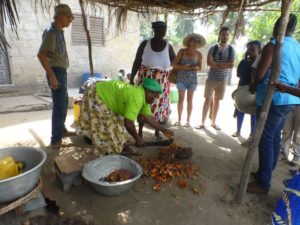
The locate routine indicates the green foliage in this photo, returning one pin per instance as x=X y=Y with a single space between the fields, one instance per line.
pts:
x=212 y=38
x=260 y=24
x=183 y=25
x=145 y=30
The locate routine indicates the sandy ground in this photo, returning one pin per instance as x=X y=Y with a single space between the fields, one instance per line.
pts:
x=219 y=156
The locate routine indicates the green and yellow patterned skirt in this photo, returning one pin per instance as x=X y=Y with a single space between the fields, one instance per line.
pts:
x=100 y=124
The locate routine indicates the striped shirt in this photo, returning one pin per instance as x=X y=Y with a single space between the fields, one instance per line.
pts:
x=222 y=55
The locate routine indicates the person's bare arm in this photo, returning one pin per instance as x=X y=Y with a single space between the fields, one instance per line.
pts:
x=172 y=54
x=130 y=127
x=264 y=63
x=225 y=65
x=137 y=61
x=176 y=62
x=42 y=56
x=212 y=63
x=153 y=123
x=286 y=89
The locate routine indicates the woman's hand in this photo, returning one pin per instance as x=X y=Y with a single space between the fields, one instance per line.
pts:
x=168 y=133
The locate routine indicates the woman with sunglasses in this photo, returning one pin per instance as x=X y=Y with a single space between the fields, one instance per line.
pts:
x=188 y=61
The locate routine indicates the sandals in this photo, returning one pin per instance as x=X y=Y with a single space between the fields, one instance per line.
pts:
x=216 y=127
x=200 y=127
x=236 y=134
x=177 y=124
x=187 y=125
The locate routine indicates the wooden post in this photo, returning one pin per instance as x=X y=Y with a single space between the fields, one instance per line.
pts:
x=88 y=37
x=276 y=67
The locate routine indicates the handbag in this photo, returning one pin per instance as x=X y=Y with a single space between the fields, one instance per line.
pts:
x=173 y=73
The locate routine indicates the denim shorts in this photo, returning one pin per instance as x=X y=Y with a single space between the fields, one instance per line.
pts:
x=183 y=86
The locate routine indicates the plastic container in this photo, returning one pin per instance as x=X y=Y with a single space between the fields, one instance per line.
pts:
x=9 y=168
x=77 y=100
x=19 y=185
x=87 y=75
x=174 y=95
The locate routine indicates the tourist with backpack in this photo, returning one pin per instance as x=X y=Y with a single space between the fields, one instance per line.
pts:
x=220 y=58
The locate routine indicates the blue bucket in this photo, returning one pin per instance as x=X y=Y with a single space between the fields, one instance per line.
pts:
x=86 y=76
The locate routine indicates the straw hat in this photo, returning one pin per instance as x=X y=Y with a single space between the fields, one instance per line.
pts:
x=199 y=39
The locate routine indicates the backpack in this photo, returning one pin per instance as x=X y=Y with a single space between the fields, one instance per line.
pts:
x=216 y=47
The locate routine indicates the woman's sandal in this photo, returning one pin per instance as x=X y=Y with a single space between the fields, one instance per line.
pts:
x=216 y=127
x=200 y=127
x=177 y=124
x=187 y=125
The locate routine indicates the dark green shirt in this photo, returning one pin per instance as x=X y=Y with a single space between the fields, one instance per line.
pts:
x=54 y=44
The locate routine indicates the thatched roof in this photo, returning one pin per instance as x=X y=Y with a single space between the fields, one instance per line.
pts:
x=182 y=6
x=8 y=13
x=8 y=8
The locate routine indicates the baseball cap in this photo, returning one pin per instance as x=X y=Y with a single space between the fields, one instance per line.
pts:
x=63 y=10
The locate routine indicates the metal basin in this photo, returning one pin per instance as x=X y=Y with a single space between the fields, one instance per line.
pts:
x=244 y=100
x=101 y=168
x=18 y=186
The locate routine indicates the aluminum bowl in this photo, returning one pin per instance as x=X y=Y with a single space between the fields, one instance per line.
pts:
x=102 y=167
x=18 y=186
x=244 y=100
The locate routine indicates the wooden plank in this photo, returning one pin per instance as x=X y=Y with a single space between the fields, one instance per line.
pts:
x=4 y=208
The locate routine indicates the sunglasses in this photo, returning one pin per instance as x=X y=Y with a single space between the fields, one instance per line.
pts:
x=196 y=39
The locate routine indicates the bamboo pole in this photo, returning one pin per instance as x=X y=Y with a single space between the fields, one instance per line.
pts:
x=88 y=37
x=276 y=67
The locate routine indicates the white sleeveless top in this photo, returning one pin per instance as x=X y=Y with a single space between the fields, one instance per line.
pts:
x=156 y=60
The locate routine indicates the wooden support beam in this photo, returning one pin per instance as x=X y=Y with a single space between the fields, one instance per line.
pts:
x=88 y=37
x=276 y=67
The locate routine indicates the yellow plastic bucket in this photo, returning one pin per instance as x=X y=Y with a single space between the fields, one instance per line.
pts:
x=9 y=168
x=76 y=111
x=76 y=107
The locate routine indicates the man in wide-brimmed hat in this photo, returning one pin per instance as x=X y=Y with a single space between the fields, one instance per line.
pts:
x=220 y=58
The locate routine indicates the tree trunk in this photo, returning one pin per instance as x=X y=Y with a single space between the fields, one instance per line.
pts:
x=88 y=37
x=276 y=67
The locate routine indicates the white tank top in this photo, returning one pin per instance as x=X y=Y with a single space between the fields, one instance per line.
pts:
x=156 y=60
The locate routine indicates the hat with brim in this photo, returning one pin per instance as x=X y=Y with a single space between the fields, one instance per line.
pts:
x=63 y=10
x=151 y=85
x=199 y=39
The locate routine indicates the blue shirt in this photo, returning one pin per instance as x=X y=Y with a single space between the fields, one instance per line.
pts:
x=289 y=74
